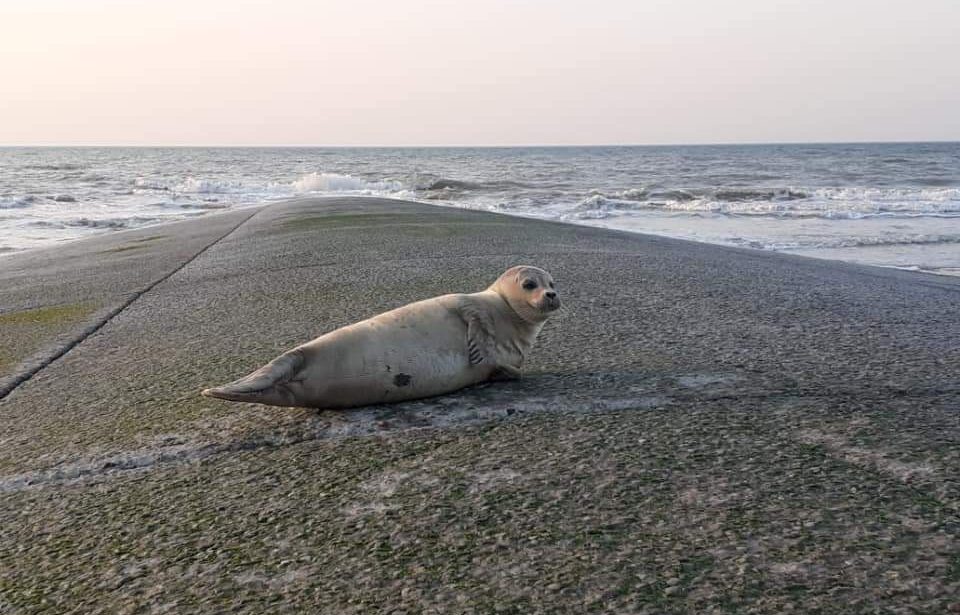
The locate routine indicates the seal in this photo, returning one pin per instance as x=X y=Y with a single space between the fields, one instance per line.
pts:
x=423 y=349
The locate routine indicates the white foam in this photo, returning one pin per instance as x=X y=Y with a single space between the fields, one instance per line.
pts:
x=316 y=182
x=150 y=184
x=856 y=242
x=828 y=203
x=334 y=182
x=112 y=223
x=193 y=185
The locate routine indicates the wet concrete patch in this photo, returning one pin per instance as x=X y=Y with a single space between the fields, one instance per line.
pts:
x=25 y=335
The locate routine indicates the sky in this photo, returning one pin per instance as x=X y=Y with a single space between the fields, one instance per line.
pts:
x=492 y=72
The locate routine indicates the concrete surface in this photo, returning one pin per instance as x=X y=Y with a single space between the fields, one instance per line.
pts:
x=702 y=429
x=51 y=299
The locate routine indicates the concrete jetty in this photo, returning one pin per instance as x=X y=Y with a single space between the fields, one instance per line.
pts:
x=701 y=430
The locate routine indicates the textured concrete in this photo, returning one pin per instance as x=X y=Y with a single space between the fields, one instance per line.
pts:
x=49 y=299
x=701 y=430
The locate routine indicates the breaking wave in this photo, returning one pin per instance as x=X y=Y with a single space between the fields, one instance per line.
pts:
x=309 y=183
x=830 y=203
x=334 y=182
x=432 y=183
x=449 y=184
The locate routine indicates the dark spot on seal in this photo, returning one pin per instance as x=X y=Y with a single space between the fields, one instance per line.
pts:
x=402 y=380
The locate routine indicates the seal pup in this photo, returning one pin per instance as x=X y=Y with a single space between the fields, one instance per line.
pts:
x=422 y=349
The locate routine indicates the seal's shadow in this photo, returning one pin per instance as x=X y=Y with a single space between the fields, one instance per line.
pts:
x=573 y=392
x=564 y=392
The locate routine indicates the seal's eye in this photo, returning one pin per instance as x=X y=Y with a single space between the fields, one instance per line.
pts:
x=529 y=285
x=551 y=284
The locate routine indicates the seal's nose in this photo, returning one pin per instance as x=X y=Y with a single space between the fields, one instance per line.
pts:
x=551 y=294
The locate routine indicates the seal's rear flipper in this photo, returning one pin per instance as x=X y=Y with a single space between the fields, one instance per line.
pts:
x=264 y=386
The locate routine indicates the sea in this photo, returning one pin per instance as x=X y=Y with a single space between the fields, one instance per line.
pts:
x=886 y=204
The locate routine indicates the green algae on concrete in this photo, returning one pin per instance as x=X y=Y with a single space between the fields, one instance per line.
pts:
x=27 y=331
x=46 y=315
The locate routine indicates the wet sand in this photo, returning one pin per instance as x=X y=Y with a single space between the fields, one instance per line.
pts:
x=703 y=429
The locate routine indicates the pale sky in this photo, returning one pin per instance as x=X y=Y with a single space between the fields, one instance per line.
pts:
x=491 y=72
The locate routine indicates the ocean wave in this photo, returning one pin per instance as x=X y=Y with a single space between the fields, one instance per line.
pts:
x=500 y=184
x=335 y=182
x=597 y=203
x=61 y=166
x=830 y=203
x=150 y=184
x=192 y=185
x=111 y=223
x=449 y=184
x=853 y=242
x=16 y=202
x=752 y=195
x=934 y=181
x=426 y=182
x=644 y=194
x=938 y=194
x=205 y=204
x=425 y=186
x=732 y=195
x=315 y=182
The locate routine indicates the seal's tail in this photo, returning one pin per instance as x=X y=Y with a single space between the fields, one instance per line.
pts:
x=264 y=386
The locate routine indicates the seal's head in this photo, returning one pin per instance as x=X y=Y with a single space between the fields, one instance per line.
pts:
x=530 y=291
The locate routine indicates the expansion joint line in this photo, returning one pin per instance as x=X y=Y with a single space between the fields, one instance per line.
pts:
x=56 y=353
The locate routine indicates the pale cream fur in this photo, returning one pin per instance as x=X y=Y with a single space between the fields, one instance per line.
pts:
x=422 y=349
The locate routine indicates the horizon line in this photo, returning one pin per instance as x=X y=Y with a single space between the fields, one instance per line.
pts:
x=463 y=146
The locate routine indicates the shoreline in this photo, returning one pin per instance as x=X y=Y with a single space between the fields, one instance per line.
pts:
x=701 y=425
x=590 y=223
x=863 y=203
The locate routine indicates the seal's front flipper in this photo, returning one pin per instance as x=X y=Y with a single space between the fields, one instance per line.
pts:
x=481 y=346
x=474 y=346
x=266 y=385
